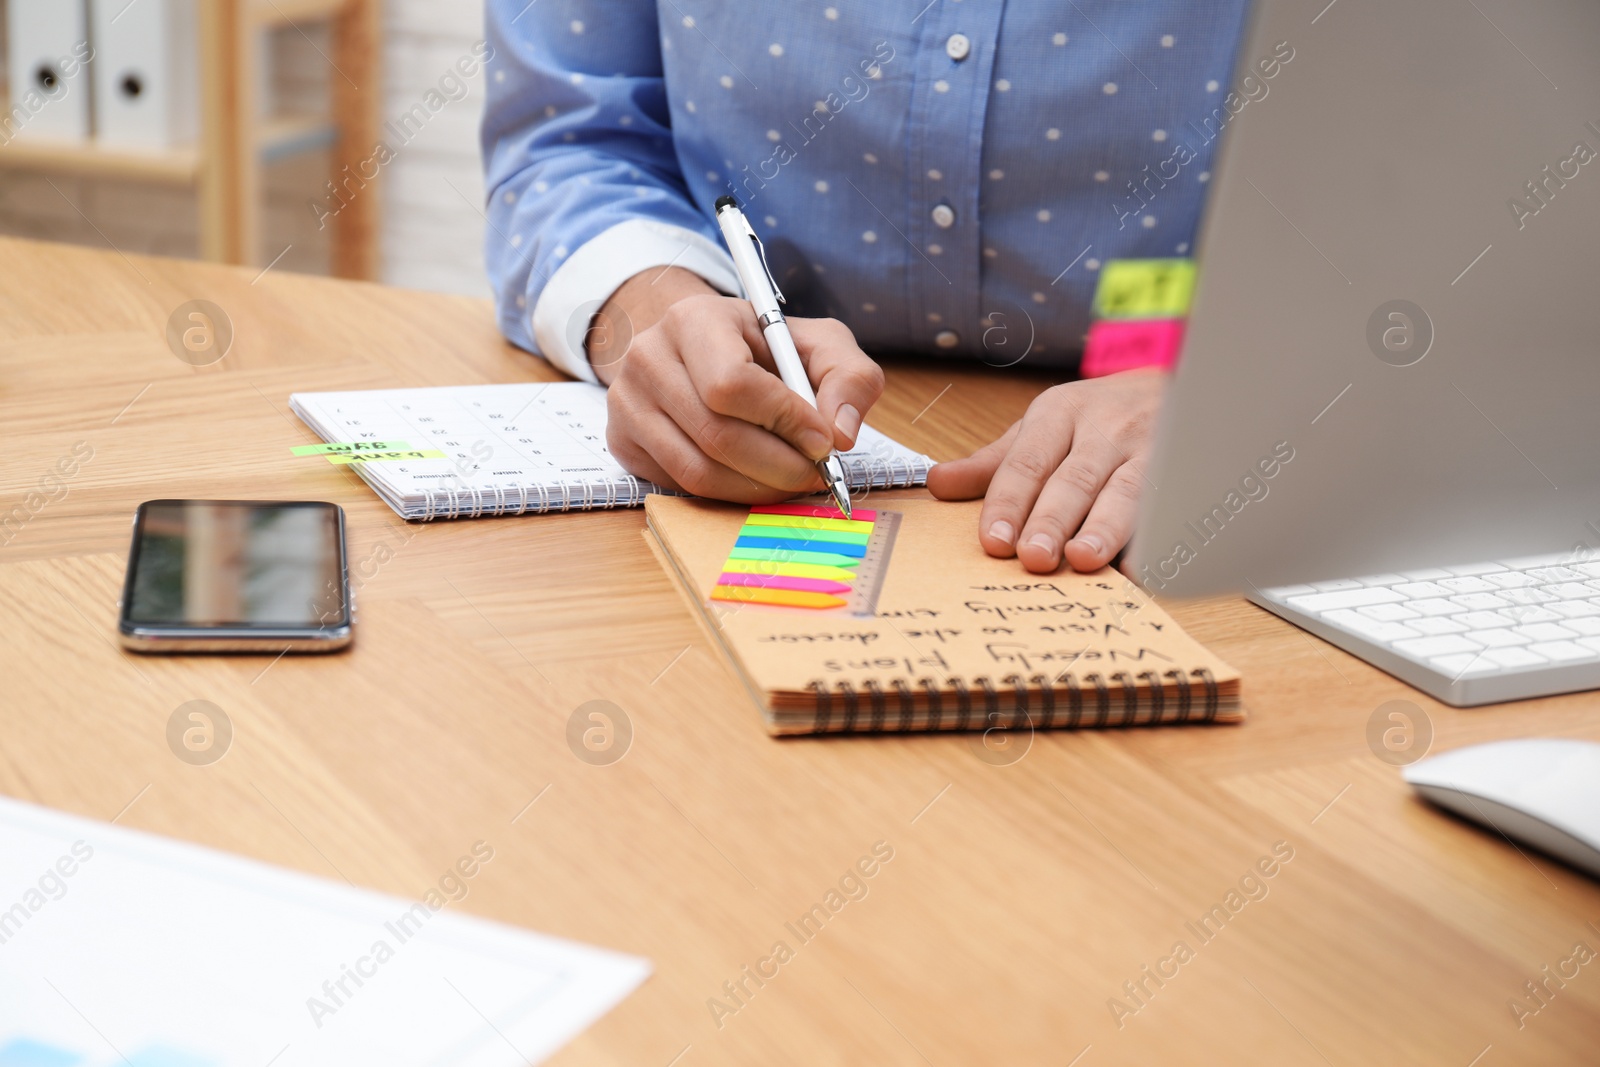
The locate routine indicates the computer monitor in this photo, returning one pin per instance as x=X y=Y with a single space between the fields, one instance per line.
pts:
x=1392 y=358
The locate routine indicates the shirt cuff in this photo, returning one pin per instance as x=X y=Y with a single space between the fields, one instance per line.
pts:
x=582 y=284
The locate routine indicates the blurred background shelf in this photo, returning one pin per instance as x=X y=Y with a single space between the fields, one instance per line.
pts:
x=277 y=138
x=236 y=142
x=179 y=165
x=419 y=224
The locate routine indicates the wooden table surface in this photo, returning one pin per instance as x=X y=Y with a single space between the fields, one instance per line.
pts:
x=1019 y=898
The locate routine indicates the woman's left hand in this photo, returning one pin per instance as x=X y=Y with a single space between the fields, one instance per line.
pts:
x=1065 y=478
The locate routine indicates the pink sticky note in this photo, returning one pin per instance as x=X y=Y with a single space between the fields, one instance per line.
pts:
x=1123 y=344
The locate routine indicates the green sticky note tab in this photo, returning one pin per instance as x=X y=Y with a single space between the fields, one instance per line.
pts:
x=1144 y=289
x=350 y=447
x=386 y=457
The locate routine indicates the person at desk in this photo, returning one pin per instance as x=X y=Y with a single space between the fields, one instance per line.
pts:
x=938 y=178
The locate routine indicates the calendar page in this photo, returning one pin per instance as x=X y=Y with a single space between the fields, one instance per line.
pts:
x=466 y=451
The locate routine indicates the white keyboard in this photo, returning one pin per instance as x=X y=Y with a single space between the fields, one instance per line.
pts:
x=1468 y=635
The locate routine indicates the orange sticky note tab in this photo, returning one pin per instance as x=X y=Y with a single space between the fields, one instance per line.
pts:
x=1124 y=344
x=788 y=598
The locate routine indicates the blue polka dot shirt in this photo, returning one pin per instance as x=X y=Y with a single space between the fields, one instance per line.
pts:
x=945 y=177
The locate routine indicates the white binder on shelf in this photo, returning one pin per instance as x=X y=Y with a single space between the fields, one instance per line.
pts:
x=147 y=77
x=49 y=52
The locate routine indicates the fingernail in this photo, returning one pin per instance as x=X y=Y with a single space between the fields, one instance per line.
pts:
x=1044 y=543
x=1090 y=542
x=1002 y=531
x=848 y=421
x=815 y=444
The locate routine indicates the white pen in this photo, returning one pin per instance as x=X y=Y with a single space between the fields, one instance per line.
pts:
x=750 y=260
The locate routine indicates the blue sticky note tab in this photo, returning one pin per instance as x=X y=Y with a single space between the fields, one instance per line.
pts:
x=163 y=1056
x=24 y=1053
x=836 y=547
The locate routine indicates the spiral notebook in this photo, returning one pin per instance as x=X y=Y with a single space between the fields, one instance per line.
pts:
x=461 y=452
x=896 y=619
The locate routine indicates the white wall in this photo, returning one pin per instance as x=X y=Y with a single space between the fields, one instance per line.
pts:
x=433 y=189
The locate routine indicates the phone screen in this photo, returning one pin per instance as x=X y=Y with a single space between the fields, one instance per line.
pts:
x=236 y=564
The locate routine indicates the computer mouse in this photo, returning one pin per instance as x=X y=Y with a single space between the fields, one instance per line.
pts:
x=1542 y=792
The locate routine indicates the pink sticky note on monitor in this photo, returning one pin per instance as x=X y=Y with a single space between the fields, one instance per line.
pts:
x=1124 y=344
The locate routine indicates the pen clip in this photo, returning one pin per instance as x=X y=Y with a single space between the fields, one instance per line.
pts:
x=761 y=250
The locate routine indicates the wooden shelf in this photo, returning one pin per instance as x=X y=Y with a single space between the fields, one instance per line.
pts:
x=275 y=13
x=277 y=139
x=180 y=166
x=293 y=135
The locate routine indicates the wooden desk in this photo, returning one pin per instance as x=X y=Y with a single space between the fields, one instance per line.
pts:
x=1019 y=898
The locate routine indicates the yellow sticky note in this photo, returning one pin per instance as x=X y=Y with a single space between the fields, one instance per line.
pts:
x=388 y=457
x=1144 y=289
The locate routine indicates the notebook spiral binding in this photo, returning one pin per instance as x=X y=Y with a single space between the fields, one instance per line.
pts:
x=1064 y=702
x=874 y=472
x=518 y=499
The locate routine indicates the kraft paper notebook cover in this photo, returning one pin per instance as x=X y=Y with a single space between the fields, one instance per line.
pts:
x=916 y=628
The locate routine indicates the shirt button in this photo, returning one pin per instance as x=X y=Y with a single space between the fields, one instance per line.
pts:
x=944 y=216
x=958 y=47
x=947 y=338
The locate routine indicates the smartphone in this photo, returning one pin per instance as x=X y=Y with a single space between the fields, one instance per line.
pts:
x=236 y=576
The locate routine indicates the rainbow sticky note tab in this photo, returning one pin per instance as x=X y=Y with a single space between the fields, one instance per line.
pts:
x=796 y=556
x=1144 y=289
x=1124 y=344
x=350 y=447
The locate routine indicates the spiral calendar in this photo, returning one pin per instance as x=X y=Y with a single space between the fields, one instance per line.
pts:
x=513 y=449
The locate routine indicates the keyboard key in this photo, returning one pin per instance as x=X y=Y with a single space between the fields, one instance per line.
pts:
x=1434 y=625
x=1427 y=574
x=1570 y=591
x=1429 y=647
x=1467 y=585
x=1574 y=609
x=1591 y=570
x=1388 y=612
x=1372 y=629
x=1482 y=601
x=1486 y=620
x=1591 y=643
x=1525 y=613
x=1333 y=585
x=1526 y=596
x=1514 y=657
x=1561 y=651
x=1498 y=638
x=1436 y=606
x=1554 y=574
x=1420 y=590
x=1523 y=563
x=1545 y=631
x=1465 y=663
x=1397 y=579
x=1316 y=603
x=1511 y=580
x=1468 y=569
x=1586 y=626
x=1284 y=592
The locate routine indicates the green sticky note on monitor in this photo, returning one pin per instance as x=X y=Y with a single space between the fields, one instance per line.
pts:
x=1144 y=289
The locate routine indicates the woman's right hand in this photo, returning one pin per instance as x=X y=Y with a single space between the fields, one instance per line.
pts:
x=696 y=403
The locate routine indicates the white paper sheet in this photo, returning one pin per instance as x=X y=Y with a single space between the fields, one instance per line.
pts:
x=122 y=948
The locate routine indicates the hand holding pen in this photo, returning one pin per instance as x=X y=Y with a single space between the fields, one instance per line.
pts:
x=761 y=289
x=696 y=401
